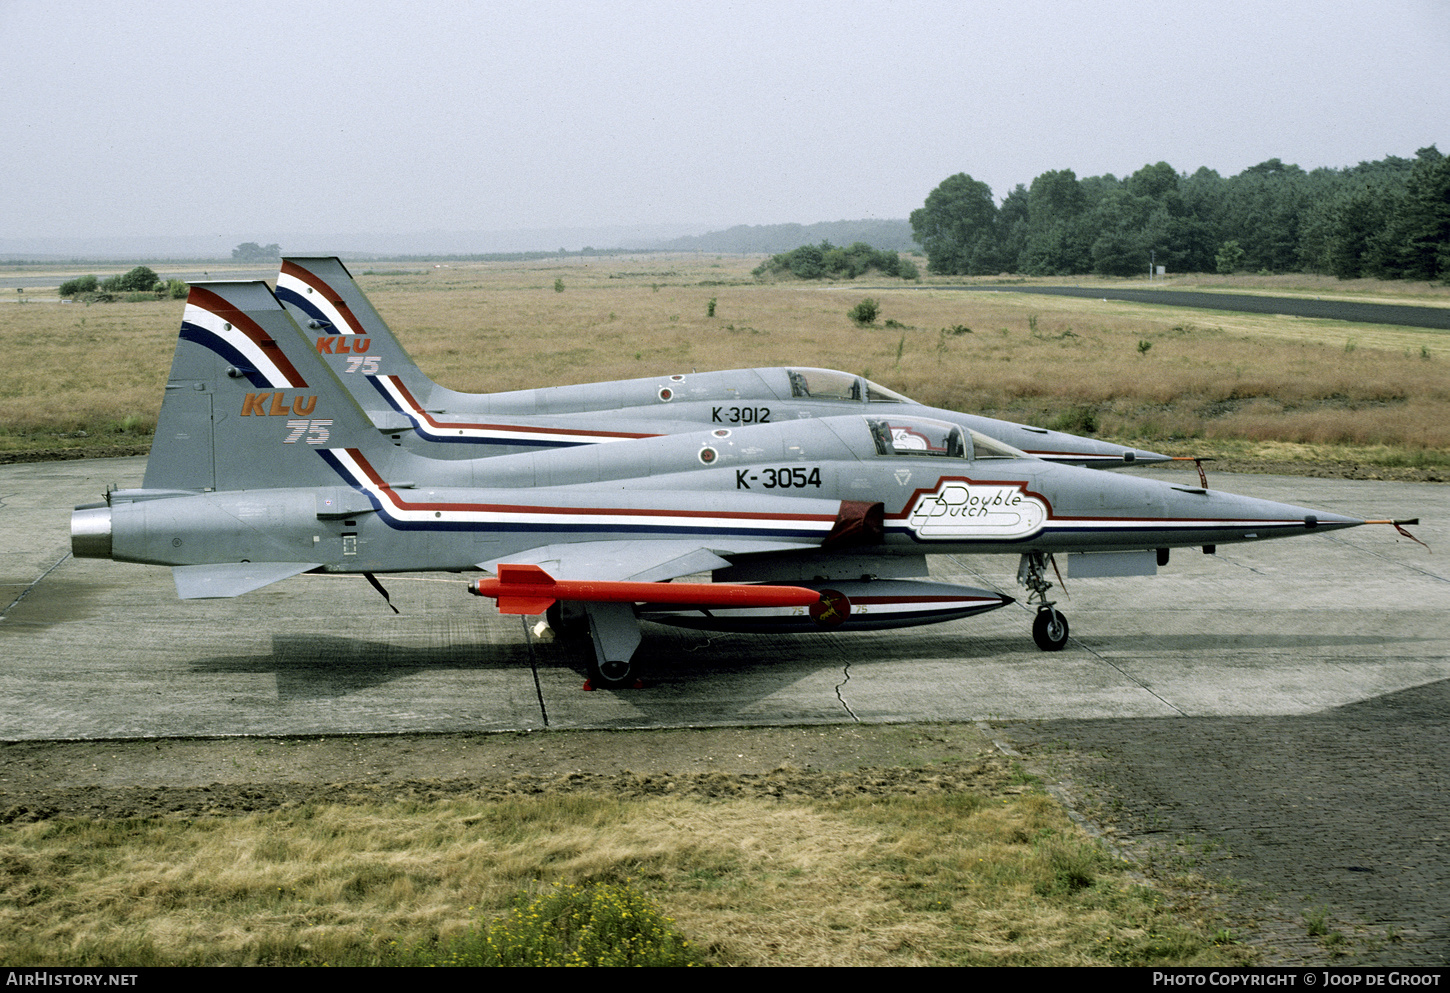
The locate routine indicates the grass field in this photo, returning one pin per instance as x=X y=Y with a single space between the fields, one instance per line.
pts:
x=1179 y=381
x=957 y=861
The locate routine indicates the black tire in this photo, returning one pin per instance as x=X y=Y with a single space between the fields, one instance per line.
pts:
x=1049 y=630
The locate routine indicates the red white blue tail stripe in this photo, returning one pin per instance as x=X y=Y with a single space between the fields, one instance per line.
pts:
x=308 y=292
x=213 y=323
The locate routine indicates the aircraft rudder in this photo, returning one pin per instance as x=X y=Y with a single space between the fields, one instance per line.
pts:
x=182 y=455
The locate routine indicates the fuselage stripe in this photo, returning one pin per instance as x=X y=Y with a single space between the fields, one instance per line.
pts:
x=396 y=393
x=354 y=468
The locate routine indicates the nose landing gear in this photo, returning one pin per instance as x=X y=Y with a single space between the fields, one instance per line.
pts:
x=1049 y=627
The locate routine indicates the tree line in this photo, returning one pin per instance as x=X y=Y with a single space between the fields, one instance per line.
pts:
x=1388 y=219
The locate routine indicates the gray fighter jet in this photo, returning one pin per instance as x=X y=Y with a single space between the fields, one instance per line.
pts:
x=351 y=336
x=262 y=469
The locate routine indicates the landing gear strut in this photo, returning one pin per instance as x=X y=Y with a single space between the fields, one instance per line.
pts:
x=1049 y=628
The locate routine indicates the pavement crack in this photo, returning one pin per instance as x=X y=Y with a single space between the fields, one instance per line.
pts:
x=1130 y=678
x=26 y=592
x=845 y=678
x=1122 y=672
x=1230 y=560
x=534 y=665
x=1105 y=661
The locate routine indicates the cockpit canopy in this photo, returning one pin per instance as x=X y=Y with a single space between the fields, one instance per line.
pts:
x=828 y=384
x=927 y=438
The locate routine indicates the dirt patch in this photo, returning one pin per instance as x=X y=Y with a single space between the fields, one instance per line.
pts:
x=69 y=454
x=199 y=777
x=1337 y=470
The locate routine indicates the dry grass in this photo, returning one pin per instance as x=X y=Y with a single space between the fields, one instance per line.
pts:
x=1054 y=361
x=99 y=369
x=936 y=878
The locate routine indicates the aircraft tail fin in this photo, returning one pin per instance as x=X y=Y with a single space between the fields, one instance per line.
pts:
x=349 y=334
x=242 y=411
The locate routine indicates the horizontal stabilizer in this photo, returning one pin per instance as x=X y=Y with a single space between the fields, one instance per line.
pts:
x=527 y=589
x=229 y=579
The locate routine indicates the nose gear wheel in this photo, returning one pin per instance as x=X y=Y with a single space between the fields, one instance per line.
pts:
x=1049 y=630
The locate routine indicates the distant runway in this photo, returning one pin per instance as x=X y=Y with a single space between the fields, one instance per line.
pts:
x=187 y=275
x=1244 y=303
x=96 y=649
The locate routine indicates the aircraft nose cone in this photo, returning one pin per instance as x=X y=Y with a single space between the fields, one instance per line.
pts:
x=1141 y=456
x=1323 y=518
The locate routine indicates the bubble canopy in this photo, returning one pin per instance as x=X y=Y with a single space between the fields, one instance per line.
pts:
x=829 y=384
x=927 y=438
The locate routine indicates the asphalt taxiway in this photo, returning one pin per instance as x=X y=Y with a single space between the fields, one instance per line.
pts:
x=1357 y=311
x=96 y=649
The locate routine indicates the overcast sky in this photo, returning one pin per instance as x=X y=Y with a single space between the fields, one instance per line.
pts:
x=154 y=118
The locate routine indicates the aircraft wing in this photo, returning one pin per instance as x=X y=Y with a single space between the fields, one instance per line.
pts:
x=639 y=561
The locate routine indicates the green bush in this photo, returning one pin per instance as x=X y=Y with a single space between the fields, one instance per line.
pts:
x=1076 y=420
x=81 y=284
x=600 y=925
x=865 y=312
x=1230 y=258
x=826 y=260
x=138 y=280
